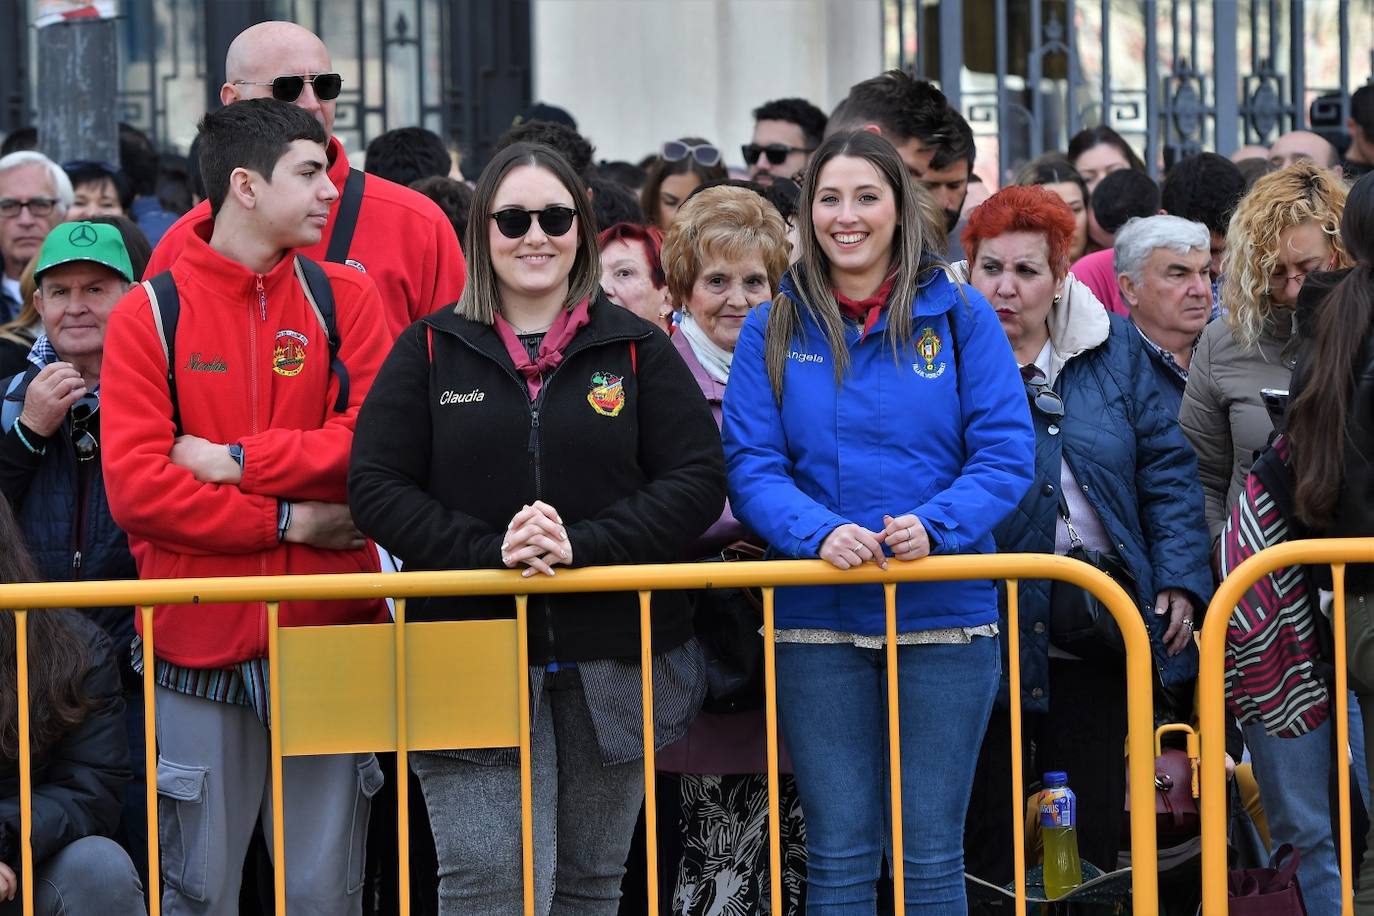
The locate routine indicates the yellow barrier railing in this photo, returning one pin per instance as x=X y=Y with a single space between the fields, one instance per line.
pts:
x=329 y=690
x=1336 y=552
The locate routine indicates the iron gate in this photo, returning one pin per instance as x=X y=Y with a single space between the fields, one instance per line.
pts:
x=1174 y=76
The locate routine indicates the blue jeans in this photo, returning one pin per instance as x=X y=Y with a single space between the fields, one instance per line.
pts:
x=91 y=876
x=832 y=706
x=1292 y=775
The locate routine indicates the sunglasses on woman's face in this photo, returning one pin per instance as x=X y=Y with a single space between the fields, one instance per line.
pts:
x=777 y=153
x=289 y=88
x=704 y=153
x=514 y=222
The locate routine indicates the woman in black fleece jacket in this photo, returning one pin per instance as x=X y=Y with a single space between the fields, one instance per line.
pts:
x=535 y=424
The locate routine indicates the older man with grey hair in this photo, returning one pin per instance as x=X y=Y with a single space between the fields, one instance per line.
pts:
x=34 y=196
x=1161 y=265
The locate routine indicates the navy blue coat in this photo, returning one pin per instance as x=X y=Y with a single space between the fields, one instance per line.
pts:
x=1139 y=474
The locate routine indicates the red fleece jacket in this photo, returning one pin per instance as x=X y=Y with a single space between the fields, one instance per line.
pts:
x=402 y=241
x=252 y=366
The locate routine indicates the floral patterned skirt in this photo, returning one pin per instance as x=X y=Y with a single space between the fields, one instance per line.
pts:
x=724 y=866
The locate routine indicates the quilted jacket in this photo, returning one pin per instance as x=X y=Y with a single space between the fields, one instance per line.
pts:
x=1134 y=467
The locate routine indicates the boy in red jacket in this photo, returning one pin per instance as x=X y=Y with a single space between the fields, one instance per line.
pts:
x=239 y=468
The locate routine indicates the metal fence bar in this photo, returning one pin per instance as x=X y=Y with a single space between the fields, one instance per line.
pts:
x=894 y=746
x=21 y=649
x=951 y=51
x=770 y=718
x=154 y=888
x=274 y=589
x=646 y=680
x=1154 y=123
x=1018 y=782
x=522 y=616
x=1212 y=690
x=1225 y=80
x=402 y=763
x=1342 y=715
x=274 y=738
x=1297 y=62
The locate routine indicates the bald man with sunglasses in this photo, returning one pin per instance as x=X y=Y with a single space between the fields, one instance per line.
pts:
x=399 y=238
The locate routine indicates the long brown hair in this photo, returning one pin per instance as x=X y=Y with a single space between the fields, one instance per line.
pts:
x=811 y=273
x=58 y=658
x=1318 y=416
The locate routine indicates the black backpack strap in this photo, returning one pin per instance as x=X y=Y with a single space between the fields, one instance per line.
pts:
x=162 y=296
x=318 y=290
x=346 y=218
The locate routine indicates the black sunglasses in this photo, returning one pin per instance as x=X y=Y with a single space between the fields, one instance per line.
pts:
x=1045 y=399
x=704 y=153
x=776 y=152
x=514 y=222
x=289 y=88
x=83 y=440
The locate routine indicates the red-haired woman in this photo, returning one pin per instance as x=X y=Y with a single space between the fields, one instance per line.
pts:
x=1113 y=471
x=632 y=272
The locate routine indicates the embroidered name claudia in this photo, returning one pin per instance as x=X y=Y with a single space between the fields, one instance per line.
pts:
x=197 y=364
x=806 y=357
x=455 y=397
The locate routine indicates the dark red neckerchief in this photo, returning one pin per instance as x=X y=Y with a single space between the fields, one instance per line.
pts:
x=556 y=339
x=867 y=310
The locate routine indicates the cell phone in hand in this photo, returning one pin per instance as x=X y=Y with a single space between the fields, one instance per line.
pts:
x=1276 y=403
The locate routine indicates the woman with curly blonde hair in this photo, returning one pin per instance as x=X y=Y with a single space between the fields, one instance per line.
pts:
x=1287 y=227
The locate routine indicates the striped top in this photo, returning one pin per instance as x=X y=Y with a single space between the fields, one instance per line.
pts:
x=245 y=684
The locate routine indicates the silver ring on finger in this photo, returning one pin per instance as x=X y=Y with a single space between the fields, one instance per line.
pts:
x=1187 y=622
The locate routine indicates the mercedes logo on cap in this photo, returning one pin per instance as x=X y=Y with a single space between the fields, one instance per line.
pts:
x=82 y=235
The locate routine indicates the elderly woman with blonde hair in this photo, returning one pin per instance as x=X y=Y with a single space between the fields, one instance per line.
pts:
x=724 y=254
x=1286 y=227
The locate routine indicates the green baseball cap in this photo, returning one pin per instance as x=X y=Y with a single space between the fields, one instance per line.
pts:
x=99 y=243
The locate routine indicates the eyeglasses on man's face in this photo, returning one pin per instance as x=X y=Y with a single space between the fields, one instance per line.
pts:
x=777 y=153
x=37 y=206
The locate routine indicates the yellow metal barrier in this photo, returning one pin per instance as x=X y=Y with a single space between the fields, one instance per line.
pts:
x=1337 y=552
x=393 y=688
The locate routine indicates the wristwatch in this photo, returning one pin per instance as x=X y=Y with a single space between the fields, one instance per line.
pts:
x=236 y=452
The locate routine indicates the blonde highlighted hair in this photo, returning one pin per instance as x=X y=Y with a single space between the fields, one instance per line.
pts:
x=1278 y=201
x=725 y=223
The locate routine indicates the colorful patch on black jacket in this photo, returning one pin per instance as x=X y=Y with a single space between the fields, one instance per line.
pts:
x=607 y=396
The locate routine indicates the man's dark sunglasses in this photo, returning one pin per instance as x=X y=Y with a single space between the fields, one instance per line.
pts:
x=776 y=152
x=1045 y=399
x=83 y=440
x=514 y=222
x=289 y=88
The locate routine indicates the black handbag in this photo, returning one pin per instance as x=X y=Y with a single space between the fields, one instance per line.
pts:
x=1079 y=623
x=727 y=622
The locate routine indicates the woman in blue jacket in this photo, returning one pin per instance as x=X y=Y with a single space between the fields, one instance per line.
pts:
x=1113 y=469
x=874 y=411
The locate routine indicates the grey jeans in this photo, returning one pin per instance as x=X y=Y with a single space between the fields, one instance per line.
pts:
x=90 y=877
x=584 y=817
x=214 y=786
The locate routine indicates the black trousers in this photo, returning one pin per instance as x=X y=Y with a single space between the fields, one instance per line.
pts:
x=1083 y=734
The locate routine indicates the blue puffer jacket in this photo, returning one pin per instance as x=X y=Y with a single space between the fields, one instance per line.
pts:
x=943 y=432
x=1136 y=470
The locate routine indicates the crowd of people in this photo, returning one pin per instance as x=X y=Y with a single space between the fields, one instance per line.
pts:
x=853 y=348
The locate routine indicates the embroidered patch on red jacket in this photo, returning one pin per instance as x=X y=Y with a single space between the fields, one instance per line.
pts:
x=288 y=355
x=607 y=396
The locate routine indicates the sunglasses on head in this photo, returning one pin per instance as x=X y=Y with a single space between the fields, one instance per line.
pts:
x=776 y=152
x=83 y=440
x=704 y=153
x=1045 y=399
x=514 y=222
x=289 y=88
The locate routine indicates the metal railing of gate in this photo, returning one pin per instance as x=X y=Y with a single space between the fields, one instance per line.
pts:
x=1336 y=552
x=385 y=687
x=1213 y=75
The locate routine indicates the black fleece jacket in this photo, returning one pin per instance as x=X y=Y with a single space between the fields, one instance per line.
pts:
x=620 y=441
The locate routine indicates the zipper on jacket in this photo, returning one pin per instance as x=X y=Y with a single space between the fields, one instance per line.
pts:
x=83 y=491
x=254 y=428
x=262 y=299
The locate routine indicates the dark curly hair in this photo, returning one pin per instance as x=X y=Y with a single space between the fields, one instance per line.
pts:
x=1205 y=189
x=573 y=147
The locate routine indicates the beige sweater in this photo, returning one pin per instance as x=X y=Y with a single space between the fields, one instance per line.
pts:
x=1222 y=413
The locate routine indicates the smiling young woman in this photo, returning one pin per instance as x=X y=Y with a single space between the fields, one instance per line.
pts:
x=871 y=357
